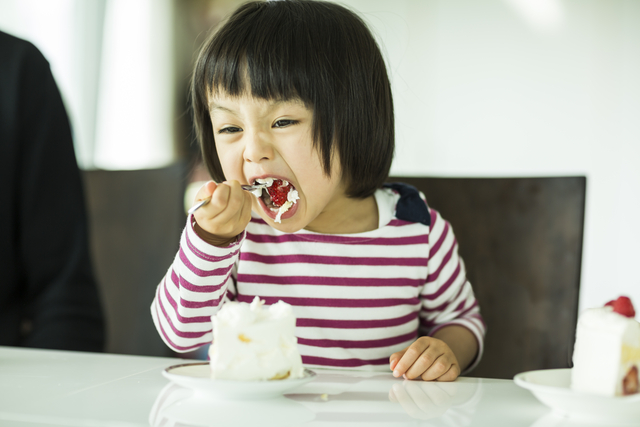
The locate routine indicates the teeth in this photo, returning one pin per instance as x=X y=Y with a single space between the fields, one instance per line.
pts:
x=268 y=181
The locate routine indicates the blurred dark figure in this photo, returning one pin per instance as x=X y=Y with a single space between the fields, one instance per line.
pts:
x=48 y=294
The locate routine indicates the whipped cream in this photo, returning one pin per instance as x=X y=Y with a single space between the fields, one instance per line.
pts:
x=292 y=197
x=251 y=342
x=607 y=347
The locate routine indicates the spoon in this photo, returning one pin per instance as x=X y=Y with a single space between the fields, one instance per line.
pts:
x=203 y=202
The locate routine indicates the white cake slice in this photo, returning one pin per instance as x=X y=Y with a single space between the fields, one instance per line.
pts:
x=252 y=342
x=606 y=356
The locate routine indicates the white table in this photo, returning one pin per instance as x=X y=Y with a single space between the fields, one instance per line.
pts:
x=59 y=388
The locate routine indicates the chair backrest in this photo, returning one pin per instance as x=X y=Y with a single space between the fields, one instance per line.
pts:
x=521 y=241
x=136 y=218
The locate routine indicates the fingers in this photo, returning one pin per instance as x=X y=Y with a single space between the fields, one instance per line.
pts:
x=444 y=368
x=234 y=203
x=219 y=200
x=410 y=355
x=451 y=374
x=427 y=358
x=205 y=191
x=395 y=358
x=429 y=365
x=227 y=213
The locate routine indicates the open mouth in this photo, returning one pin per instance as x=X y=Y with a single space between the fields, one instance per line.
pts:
x=278 y=196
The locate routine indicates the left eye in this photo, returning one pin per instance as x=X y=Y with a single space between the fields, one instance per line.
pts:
x=284 y=123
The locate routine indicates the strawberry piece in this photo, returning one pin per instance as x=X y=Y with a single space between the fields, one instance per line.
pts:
x=622 y=306
x=278 y=192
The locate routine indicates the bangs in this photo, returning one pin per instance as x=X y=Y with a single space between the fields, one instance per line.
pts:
x=261 y=59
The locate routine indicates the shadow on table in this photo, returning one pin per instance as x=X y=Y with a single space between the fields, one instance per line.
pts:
x=455 y=401
x=179 y=406
x=331 y=398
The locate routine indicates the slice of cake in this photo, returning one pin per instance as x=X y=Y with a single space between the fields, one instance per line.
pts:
x=252 y=342
x=606 y=356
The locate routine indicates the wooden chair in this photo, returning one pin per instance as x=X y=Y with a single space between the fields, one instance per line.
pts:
x=521 y=241
x=136 y=218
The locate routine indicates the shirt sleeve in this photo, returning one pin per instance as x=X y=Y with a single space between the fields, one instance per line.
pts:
x=200 y=279
x=447 y=298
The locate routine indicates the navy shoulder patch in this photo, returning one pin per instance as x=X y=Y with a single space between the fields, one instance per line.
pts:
x=410 y=206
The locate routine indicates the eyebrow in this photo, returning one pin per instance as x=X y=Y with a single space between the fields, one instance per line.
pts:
x=215 y=107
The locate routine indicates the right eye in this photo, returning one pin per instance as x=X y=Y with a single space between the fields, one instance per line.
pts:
x=229 y=129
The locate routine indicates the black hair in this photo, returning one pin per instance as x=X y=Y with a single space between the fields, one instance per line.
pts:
x=315 y=51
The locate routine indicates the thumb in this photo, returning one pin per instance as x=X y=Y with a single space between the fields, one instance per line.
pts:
x=206 y=190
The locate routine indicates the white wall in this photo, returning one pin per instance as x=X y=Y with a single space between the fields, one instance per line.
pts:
x=63 y=31
x=483 y=88
x=112 y=62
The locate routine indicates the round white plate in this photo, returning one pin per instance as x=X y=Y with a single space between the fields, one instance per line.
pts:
x=197 y=376
x=552 y=387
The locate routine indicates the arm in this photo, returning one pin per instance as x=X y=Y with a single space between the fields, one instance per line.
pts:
x=200 y=278
x=194 y=288
x=450 y=316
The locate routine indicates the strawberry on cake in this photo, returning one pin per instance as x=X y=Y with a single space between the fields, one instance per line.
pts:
x=280 y=197
x=606 y=357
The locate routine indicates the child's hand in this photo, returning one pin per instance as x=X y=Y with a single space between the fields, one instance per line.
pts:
x=428 y=358
x=226 y=215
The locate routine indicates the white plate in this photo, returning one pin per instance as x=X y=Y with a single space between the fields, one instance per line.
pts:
x=551 y=387
x=197 y=376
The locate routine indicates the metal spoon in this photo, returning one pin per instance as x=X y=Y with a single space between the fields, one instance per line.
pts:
x=203 y=202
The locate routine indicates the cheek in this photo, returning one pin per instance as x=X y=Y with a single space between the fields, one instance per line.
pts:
x=308 y=165
x=230 y=160
x=318 y=188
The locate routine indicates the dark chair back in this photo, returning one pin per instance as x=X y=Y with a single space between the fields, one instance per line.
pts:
x=136 y=218
x=521 y=241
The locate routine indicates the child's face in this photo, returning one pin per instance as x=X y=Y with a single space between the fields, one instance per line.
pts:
x=256 y=138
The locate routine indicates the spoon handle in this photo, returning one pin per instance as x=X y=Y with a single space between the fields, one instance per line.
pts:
x=198 y=205
x=203 y=202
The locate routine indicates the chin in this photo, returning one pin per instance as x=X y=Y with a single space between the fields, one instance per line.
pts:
x=289 y=225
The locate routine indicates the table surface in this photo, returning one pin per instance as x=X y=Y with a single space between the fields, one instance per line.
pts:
x=61 y=388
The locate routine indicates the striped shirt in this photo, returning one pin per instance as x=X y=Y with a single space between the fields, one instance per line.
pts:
x=358 y=298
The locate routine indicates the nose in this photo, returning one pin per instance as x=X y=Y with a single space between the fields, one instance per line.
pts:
x=258 y=147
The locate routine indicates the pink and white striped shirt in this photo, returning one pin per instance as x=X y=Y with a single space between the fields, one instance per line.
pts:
x=358 y=298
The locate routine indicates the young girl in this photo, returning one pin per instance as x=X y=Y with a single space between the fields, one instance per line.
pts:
x=295 y=93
